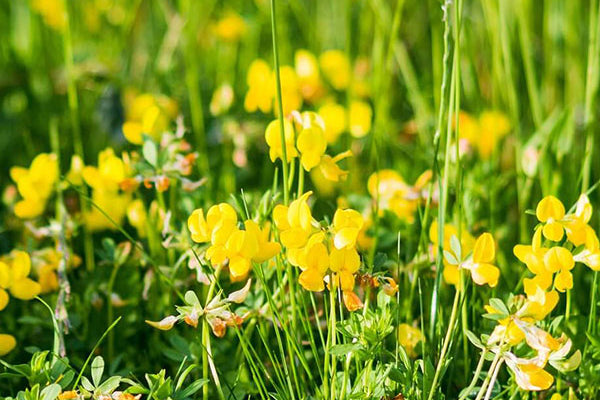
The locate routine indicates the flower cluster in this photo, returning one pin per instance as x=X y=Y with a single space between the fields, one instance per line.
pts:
x=552 y=260
x=35 y=185
x=319 y=253
x=230 y=244
x=304 y=83
x=305 y=138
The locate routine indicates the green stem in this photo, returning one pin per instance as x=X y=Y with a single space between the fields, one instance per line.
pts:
x=206 y=334
x=486 y=381
x=445 y=345
x=469 y=388
x=284 y=160
x=329 y=370
x=109 y=311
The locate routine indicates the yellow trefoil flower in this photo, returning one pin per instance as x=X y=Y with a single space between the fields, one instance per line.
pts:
x=273 y=138
x=147 y=114
x=360 y=116
x=14 y=278
x=294 y=222
x=335 y=119
x=346 y=227
x=409 y=337
x=311 y=141
x=35 y=184
x=336 y=67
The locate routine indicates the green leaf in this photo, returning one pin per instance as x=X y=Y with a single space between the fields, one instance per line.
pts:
x=450 y=258
x=571 y=364
x=495 y=317
x=499 y=305
x=343 y=349
x=150 y=152
x=474 y=339
x=87 y=385
x=50 y=392
x=191 y=298
x=97 y=370
x=455 y=246
x=193 y=388
x=109 y=385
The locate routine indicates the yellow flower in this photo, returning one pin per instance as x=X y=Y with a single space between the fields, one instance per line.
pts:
x=14 y=277
x=351 y=301
x=336 y=68
x=307 y=70
x=110 y=172
x=559 y=259
x=390 y=192
x=35 y=185
x=294 y=222
x=539 y=303
x=220 y=221
x=344 y=263
x=529 y=376
x=230 y=28
x=7 y=343
x=346 y=226
x=112 y=204
x=550 y=211
x=273 y=138
x=329 y=168
x=409 y=337
x=240 y=248
x=484 y=252
x=533 y=259
x=147 y=114
x=451 y=272
x=311 y=140
x=260 y=91
x=266 y=248
x=53 y=12
x=360 y=116
x=313 y=259
x=335 y=118
x=290 y=90
x=483 y=133
x=494 y=126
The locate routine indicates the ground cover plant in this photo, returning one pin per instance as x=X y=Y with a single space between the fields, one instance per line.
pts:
x=284 y=199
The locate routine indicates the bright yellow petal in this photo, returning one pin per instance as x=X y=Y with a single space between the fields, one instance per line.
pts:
x=485 y=249
x=553 y=231
x=451 y=274
x=558 y=258
x=312 y=280
x=25 y=289
x=550 y=207
x=21 y=265
x=7 y=344
x=563 y=281
x=483 y=273
x=4 y=298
